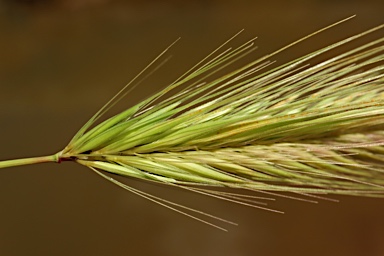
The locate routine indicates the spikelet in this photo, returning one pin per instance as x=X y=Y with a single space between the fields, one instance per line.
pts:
x=294 y=128
x=311 y=129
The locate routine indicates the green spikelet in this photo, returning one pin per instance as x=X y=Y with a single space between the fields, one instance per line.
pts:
x=293 y=128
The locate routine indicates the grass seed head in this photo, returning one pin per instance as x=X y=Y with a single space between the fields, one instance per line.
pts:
x=307 y=129
x=296 y=128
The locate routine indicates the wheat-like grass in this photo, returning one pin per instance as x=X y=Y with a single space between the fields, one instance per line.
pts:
x=294 y=128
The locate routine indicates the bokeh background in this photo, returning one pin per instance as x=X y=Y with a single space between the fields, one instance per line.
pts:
x=62 y=60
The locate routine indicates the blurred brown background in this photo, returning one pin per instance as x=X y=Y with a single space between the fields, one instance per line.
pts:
x=62 y=60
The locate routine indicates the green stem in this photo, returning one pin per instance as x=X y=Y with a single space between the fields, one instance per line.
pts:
x=31 y=160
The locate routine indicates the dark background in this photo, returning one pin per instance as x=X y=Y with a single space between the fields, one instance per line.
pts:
x=62 y=60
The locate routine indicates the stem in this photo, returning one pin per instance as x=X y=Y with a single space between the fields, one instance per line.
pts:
x=31 y=160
